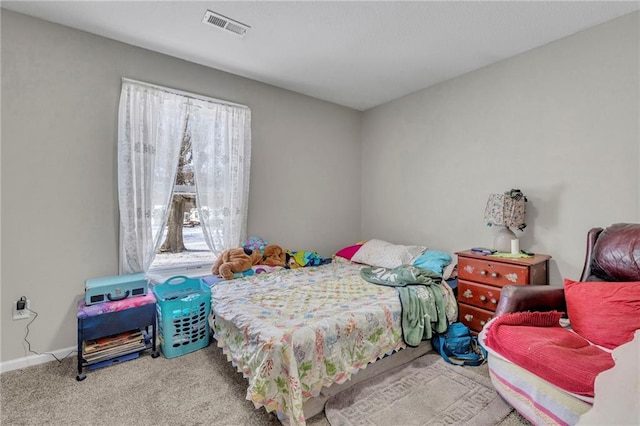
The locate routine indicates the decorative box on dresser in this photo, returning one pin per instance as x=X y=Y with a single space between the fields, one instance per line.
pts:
x=481 y=277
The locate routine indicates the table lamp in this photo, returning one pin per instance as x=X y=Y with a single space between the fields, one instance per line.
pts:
x=506 y=211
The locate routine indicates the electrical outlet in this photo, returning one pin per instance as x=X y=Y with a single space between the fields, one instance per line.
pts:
x=23 y=313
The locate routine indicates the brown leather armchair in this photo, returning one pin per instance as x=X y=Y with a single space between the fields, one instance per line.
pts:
x=613 y=254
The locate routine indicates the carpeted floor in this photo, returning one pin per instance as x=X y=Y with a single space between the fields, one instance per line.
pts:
x=197 y=388
x=426 y=391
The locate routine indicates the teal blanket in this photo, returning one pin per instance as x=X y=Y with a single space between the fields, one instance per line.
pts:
x=421 y=297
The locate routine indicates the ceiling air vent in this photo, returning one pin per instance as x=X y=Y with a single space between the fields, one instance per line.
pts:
x=221 y=21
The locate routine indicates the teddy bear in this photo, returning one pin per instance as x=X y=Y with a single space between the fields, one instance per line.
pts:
x=235 y=260
x=274 y=255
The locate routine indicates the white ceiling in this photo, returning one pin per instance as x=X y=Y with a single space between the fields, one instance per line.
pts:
x=358 y=54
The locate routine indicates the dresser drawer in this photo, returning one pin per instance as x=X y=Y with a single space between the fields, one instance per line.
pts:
x=480 y=295
x=472 y=317
x=492 y=273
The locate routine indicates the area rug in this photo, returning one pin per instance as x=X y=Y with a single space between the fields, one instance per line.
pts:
x=426 y=391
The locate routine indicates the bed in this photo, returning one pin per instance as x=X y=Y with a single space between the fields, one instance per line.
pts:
x=294 y=332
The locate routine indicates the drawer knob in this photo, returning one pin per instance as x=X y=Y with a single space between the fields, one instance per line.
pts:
x=467 y=294
x=483 y=322
x=494 y=274
x=483 y=272
x=468 y=317
x=483 y=298
x=494 y=301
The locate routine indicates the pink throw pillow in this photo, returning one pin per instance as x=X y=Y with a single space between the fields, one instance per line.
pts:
x=348 y=252
x=605 y=313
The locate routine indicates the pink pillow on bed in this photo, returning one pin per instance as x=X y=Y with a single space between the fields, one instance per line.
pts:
x=348 y=252
x=605 y=313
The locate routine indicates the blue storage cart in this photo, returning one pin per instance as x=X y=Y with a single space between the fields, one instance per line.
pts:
x=183 y=306
x=105 y=319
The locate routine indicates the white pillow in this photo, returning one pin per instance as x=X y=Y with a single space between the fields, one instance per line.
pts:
x=386 y=255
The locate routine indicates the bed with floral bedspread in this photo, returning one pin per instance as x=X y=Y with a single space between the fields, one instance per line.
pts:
x=294 y=331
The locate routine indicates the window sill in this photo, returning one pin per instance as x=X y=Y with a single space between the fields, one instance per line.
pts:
x=160 y=276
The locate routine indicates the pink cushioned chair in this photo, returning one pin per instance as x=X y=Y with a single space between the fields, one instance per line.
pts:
x=544 y=369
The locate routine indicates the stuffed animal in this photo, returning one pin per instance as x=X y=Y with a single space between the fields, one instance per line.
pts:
x=255 y=243
x=235 y=260
x=256 y=257
x=291 y=261
x=274 y=255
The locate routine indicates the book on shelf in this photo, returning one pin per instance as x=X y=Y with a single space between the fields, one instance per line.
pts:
x=114 y=352
x=116 y=340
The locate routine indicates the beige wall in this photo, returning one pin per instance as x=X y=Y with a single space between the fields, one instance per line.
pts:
x=60 y=92
x=559 y=122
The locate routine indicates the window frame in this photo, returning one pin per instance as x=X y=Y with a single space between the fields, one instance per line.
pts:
x=203 y=268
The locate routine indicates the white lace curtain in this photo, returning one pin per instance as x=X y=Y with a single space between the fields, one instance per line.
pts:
x=150 y=127
x=221 y=148
x=151 y=124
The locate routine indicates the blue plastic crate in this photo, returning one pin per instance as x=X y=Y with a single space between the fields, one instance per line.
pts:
x=183 y=315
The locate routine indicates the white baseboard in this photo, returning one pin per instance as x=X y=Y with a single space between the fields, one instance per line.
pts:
x=31 y=360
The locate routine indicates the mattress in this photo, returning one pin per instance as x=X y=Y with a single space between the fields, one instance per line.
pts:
x=293 y=332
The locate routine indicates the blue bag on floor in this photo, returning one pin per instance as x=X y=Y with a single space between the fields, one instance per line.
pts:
x=457 y=346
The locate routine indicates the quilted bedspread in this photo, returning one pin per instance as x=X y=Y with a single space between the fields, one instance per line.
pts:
x=294 y=331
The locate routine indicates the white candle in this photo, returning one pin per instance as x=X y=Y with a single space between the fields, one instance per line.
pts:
x=515 y=246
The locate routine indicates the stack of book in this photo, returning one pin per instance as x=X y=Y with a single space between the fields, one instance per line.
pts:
x=104 y=348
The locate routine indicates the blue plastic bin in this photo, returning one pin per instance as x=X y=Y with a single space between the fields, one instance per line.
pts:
x=183 y=310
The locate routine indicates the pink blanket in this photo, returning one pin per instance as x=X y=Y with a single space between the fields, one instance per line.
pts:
x=536 y=342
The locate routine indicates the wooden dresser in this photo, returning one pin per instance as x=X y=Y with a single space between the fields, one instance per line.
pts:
x=481 y=277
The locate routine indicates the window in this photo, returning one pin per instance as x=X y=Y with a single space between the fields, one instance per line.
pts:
x=183 y=245
x=183 y=178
